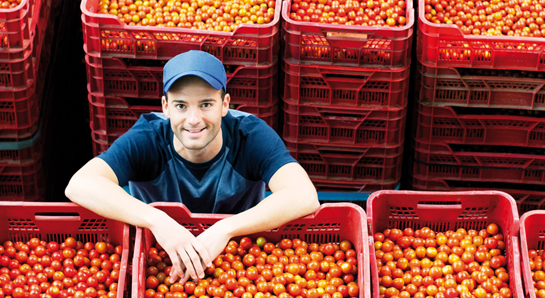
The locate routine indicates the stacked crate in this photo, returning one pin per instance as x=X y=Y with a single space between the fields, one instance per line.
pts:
x=125 y=68
x=345 y=101
x=480 y=113
x=24 y=54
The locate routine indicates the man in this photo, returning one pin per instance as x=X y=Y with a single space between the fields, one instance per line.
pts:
x=201 y=154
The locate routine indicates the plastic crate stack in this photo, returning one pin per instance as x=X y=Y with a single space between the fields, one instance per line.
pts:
x=125 y=68
x=480 y=114
x=24 y=54
x=345 y=101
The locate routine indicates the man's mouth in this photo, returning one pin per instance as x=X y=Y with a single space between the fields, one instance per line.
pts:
x=194 y=131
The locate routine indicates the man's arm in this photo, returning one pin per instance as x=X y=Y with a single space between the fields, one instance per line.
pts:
x=293 y=196
x=95 y=187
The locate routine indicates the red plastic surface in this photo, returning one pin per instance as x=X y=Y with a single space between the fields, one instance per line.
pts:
x=526 y=198
x=106 y=36
x=343 y=125
x=22 y=155
x=57 y=221
x=450 y=86
x=132 y=78
x=446 y=46
x=357 y=87
x=22 y=182
x=374 y=165
x=442 y=211
x=115 y=119
x=344 y=45
x=18 y=24
x=532 y=231
x=445 y=125
x=330 y=223
x=444 y=154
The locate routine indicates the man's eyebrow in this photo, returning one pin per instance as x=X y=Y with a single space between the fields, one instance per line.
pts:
x=200 y=101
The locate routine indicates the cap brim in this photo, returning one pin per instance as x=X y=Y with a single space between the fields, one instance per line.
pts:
x=208 y=78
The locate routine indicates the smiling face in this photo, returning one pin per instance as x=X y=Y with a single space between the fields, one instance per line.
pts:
x=195 y=110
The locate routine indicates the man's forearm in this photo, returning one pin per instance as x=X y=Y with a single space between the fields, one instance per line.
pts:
x=277 y=209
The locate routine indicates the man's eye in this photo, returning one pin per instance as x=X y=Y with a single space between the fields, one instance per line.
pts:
x=206 y=105
x=180 y=106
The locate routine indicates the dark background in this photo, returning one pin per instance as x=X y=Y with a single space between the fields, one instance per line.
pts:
x=67 y=138
x=67 y=143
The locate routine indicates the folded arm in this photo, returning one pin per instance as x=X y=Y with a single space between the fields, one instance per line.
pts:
x=293 y=196
x=95 y=187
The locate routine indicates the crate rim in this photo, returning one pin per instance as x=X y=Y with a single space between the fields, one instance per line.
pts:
x=473 y=77
x=350 y=28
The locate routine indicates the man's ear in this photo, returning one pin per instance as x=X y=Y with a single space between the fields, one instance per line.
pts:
x=225 y=104
x=164 y=104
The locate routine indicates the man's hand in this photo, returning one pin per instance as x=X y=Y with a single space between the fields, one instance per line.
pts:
x=215 y=238
x=188 y=255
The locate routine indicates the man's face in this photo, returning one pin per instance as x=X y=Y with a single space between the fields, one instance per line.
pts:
x=195 y=110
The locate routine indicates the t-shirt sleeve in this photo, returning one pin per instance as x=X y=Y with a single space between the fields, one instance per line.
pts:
x=133 y=155
x=267 y=151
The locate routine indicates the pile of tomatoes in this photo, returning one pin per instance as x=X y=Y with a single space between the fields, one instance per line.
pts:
x=218 y=15
x=291 y=268
x=52 y=270
x=389 y=13
x=495 y=17
x=452 y=264
x=538 y=271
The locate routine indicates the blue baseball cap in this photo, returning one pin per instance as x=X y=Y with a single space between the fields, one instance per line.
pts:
x=195 y=63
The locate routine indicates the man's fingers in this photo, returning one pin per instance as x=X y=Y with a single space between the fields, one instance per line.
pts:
x=190 y=268
x=196 y=261
x=176 y=270
x=184 y=278
x=203 y=252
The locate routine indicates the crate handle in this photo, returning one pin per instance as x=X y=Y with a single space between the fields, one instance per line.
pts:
x=449 y=205
x=57 y=216
x=346 y=36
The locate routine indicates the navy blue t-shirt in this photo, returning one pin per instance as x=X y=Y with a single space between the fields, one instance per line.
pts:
x=233 y=181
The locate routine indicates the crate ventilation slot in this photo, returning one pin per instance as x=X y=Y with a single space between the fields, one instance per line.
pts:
x=541 y=241
x=93 y=225
x=403 y=213
x=21 y=225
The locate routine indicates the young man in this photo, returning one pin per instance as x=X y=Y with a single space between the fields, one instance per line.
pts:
x=201 y=154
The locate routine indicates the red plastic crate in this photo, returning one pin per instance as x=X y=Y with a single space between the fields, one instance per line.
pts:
x=526 y=199
x=21 y=152
x=22 y=182
x=471 y=156
x=16 y=27
x=442 y=211
x=344 y=45
x=324 y=185
x=457 y=87
x=446 y=125
x=446 y=46
x=106 y=36
x=357 y=87
x=131 y=78
x=531 y=237
x=374 y=165
x=343 y=125
x=111 y=120
x=21 y=221
x=19 y=118
x=116 y=118
x=330 y=223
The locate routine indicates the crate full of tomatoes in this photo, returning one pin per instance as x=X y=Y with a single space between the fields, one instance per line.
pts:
x=235 y=31
x=505 y=34
x=455 y=244
x=320 y=255
x=531 y=245
x=61 y=250
x=368 y=33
